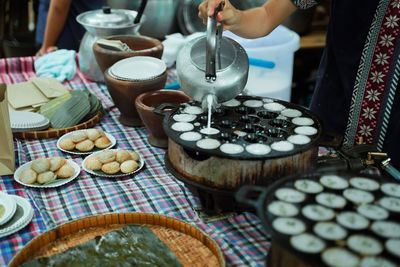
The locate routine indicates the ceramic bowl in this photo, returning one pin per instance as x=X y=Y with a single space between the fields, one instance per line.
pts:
x=141 y=46
x=145 y=105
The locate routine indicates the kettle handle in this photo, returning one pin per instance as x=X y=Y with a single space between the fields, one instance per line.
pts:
x=214 y=36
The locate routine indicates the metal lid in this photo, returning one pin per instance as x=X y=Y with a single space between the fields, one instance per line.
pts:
x=106 y=18
x=138 y=68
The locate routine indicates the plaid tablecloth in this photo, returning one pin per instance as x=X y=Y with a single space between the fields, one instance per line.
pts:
x=153 y=189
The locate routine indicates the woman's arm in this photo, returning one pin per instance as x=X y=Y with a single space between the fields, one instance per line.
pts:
x=252 y=23
x=56 y=18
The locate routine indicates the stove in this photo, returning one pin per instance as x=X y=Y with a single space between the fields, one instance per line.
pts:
x=255 y=141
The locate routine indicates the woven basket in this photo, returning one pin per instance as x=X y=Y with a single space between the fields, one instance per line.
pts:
x=53 y=133
x=191 y=246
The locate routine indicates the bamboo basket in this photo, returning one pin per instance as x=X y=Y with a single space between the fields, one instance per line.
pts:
x=53 y=133
x=191 y=246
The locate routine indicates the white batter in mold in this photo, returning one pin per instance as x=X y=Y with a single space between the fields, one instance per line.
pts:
x=306 y=130
x=182 y=126
x=231 y=103
x=282 y=209
x=373 y=212
x=231 y=149
x=184 y=117
x=253 y=103
x=190 y=136
x=290 y=195
x=334 y=182
x=303 y=121
x=340 y=257
x=299 y=139
x=364 y=183
x=307 y=243
x=291 y=113
x=317 y=213
x=289 y=226
x=274 y=107
x=308 y=186
x=364 y=245
x=258 y=149
x=352 y=220
x=386 y=229
x=208 y=143
x=330 y=231
x=391 y=189
x=194 y=110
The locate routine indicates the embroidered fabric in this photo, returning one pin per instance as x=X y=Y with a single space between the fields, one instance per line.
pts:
x=304 y=4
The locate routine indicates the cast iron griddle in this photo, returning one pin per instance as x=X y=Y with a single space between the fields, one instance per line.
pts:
x=259 y=124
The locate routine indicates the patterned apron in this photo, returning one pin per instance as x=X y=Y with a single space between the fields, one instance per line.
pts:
x=377 y=78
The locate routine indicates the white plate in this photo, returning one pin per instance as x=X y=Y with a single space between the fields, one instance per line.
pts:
x=95 y=149
x=56 y=183
x=9 y=206
x=26 y=121
x=118 y=174
x=21 y=218
x=138 y=68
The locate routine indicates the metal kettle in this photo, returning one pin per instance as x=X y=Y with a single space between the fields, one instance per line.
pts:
x=101 y=23
x=220 y=73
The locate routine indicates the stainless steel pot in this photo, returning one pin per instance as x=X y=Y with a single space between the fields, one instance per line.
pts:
x=221 y=71
x=160 y=15
x=98 y=24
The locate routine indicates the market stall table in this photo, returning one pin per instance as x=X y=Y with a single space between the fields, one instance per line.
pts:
x=154 y=190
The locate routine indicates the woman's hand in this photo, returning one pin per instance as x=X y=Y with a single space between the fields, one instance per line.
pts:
x=229 y=16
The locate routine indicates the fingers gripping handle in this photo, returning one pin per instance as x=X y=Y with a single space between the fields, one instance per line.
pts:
x=214 y=35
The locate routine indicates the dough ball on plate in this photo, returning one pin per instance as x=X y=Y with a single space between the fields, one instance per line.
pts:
x=129 y=166
x=134 y=156
x=41 y=165
x=85 y=145
x=46 y=177
x=111 y=167
x=28 y=176
x=93 y=164
x=78 y=136
x=93 y=134
x=65 y=171
x=106 y=156
x=102 y=142
x=67 y=144
x=56 y=163
x=122 y=155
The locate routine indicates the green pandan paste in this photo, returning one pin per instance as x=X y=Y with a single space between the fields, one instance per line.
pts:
x=133 y=245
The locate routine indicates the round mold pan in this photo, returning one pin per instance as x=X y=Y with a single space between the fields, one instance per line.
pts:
x=244 y=126
x=260 y=197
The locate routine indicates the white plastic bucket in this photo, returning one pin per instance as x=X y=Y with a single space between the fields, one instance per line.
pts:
x=277 y=47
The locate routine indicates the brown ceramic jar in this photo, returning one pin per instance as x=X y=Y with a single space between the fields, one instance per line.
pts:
x=147 y=102
x=141 y=46
x=124 y=93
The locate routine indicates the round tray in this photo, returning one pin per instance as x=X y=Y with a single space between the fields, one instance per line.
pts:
x=191 y=246
x=95 y=149
x=52 y=133
x=22 y=217
x=116 y=175
x=9 y=206
x=267 y=196
x=56 y=183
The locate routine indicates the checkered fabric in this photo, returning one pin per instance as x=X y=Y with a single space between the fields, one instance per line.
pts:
x=154 y=189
